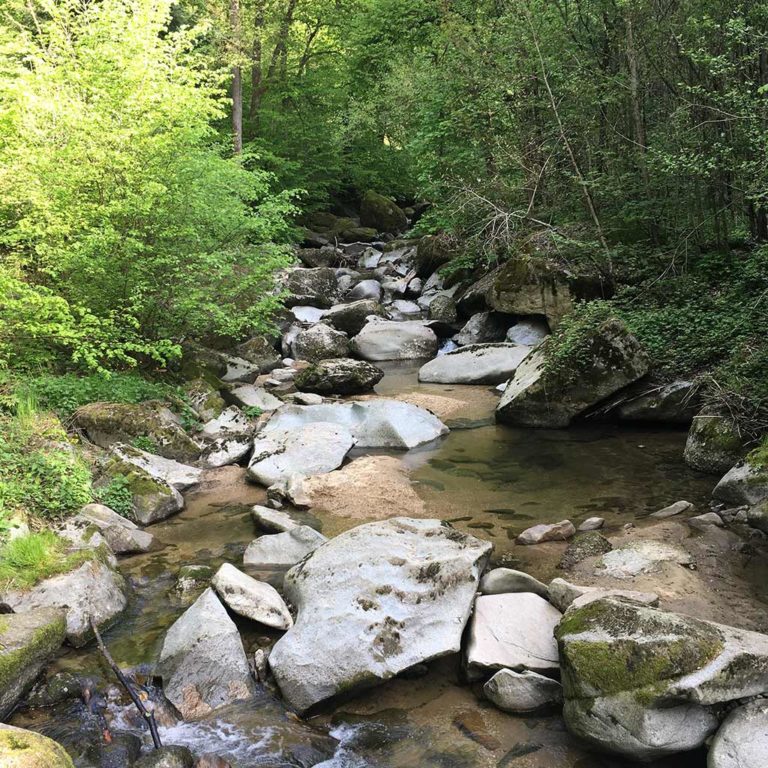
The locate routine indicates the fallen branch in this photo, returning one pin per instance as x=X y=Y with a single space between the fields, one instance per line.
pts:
x=147 y=714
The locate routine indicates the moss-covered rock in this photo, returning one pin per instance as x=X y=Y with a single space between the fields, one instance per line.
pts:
x=714 y=443
x=359 y=234
x=151 y=499
x=381 y=213
x=746 y=483
x=433 y=252
x=27 y=749
x=351 y=318
x=312 y=287
x=260 y=351
x=343 y=376
x=585 y=545
x=542 y=395
x=27 y=642
x=110 y=423
x=204 y=399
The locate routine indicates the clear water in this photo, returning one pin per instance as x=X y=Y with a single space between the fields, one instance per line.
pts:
x=490 y=480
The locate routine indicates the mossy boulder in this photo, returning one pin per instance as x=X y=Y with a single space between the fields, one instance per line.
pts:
x=746 y=483
x=108 y=423
x=320 y=342
x=590 y=544
x=647 y=683
x=359 y=235
x=27 y=749
x=544 y=395
x=204 y=399
x=343 y=376
x=714 y=443
x=151 y=498
x=260 y=351
x=433 y=252
x=351 y=318
x=311 y=287
x=382 y=214
x=28 y=641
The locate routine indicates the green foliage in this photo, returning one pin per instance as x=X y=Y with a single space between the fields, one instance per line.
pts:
x=145 y=443
x=123 y=226
x=42 y=474
x=28 y=559
x=252 y=411
x=116 y=494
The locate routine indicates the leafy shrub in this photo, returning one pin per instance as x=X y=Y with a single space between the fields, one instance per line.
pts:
x=28 y=559
x=42 y=474
x=116 y=495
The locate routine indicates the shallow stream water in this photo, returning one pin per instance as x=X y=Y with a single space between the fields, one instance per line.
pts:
x=489 y=480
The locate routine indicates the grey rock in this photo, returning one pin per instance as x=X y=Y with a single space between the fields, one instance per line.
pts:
x=539 y=397
x=386 y=340
x=366 y=289
x=538 y=534
x=523 y=693
x=308 y=315
x=674 y=403
x=226 y=450
x=705 y=520
x=442 y=308
x=673 y=509
x=643 y=556
x=342 y=376
x=530 y=332
x=251 y=396
x=202 y=661
x=502 y=580
x=283 y=550
x=475 y=364
x=308 y=449
x=592 y=524
x=742 y=739
x=273 y=520
x=377 y=600
x=122 y=536
x=319 y=343
x=256 y=600
x=232 y=421
x=483 y=328
x=312 y=287
x=180 y=476
x=167 y=757
x=746 y=483
x=563 y=595
x=351 y=318
x=585 y=545
x=260 y=351
x=92 y=590
x=714 y=443
x=512 y=631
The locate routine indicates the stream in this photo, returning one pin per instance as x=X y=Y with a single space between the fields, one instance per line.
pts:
x=488 y=480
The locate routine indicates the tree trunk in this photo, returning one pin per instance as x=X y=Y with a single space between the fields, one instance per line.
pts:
x=237 y=79
x=257 y=86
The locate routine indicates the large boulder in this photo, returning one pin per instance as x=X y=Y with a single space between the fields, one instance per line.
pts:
x=672 y=403
x=742 y=740
x=282 y=550
x=320 y=342
x=433 y=252
x=746 y=483
x=251 y=396
x=256 y=600
x=483 y=328
x=204 y=399
x=152 y=499
x=343 y=376
x=260 y=351
x=312 y=287
x=382 y=214
x=110 y=423
x=307 y=449
x=512 y=631
x=27 y=749
x=390 y=340
x=646 y=683
x=122 y=536
x=441 y=308
x=368 y=290
x=373 y=602
x=93 y=590
x=544 y=396
x=475 y=364
x=180 y=476
x=202 y=662
x=714 y=443
x=229 y=423
x=376 y=423
x=351 y=318
x=28 y=641
x=523 y=693
x=530 y=331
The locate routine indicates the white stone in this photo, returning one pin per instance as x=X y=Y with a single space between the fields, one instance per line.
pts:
x=250 y=396
x=387 y=340
x=256 y=600
x=641 y=557
x=475 y=364
x=282 y=550
x=523 y=693
x=231 y=421
x=537 y=534
x=272 y=520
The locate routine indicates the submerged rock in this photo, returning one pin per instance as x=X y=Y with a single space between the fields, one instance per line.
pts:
x=202 y=662
x=390 y=340
x=283 y=550
x=342 y=376
x=92 y=590
x=523 y=693
x=307 y=449
x=375 y=423
x=28 y=641
x=167 y=757
x=644 y=683
x=475 y=364
x=538 y=396
x=373 y=602
x=27 y=749
x=512 y=631
x=714 y=443
x=256 y=600
x=742 y=739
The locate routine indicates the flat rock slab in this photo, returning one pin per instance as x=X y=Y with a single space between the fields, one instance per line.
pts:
x=373 y=602
x=523 y=693
x=251 y=396
x=256 y=600
x=564 y=595
x=283 y=550
x=512 y=631
x=641 y=557
x=273 y=520
x=202 y=662
x=180 y=476
x=376 y=423
x=28 y=641
x=231 y=421
x=475 y=364
x=91 y=590
x=673 y=509
x=306 y=449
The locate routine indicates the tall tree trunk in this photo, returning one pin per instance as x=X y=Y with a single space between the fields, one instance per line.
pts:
x=257 y=86
x=237 y=79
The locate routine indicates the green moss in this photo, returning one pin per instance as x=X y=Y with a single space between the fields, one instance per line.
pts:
x=43 y=641
x=758 y=458
x=26 y=749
